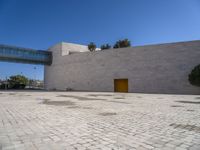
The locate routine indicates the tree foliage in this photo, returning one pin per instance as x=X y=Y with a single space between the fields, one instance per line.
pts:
x=105 y=46
x=17 y=81
x=194 y=76
x=122 y=43
x=91 y=47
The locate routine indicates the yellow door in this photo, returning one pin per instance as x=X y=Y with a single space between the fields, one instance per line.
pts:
x=121 y=85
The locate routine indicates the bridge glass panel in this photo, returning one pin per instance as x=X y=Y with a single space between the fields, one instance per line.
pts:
x=16 y=54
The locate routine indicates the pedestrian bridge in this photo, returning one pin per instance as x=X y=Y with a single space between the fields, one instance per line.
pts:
x=25 y=55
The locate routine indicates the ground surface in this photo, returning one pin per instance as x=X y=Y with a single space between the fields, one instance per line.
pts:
x=68 y=120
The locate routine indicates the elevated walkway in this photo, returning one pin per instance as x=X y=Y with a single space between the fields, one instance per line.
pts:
x=25 y=55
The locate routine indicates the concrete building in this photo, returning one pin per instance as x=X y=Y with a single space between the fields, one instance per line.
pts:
x=160 y=68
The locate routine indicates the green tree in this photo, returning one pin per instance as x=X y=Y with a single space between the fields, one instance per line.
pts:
x=122 y=43
x=17 y=82
x=91 y=47
x=105 y=46
x=194 y=76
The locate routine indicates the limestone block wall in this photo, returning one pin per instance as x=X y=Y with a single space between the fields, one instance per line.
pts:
x=160 y=68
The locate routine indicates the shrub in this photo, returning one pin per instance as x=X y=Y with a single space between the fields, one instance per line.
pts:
x=91 y=47
x=194 y=76
x=122 y=43
x=17 y=82
x=105 y=46
x=2 y=86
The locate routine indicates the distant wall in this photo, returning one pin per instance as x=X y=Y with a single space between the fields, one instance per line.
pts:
x=150 y=69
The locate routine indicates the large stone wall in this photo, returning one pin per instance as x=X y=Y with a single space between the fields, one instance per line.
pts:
x=150 y=69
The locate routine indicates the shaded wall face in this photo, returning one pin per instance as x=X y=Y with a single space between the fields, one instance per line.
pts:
x=149 y=69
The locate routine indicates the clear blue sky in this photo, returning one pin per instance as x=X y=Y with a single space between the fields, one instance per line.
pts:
x=40 y=24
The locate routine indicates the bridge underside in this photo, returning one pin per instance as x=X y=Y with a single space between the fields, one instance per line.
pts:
x=25 y=55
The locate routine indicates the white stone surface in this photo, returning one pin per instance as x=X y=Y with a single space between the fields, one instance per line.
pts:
x=150 y=69
x=72 y=48
x=98 y=121
x=69 y=48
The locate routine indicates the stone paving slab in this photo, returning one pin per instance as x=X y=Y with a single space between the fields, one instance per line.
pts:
x=98 y=121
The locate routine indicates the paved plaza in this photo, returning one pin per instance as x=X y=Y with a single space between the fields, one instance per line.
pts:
x=98 y=121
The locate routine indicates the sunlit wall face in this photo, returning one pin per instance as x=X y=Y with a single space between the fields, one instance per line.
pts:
x=23 y=55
